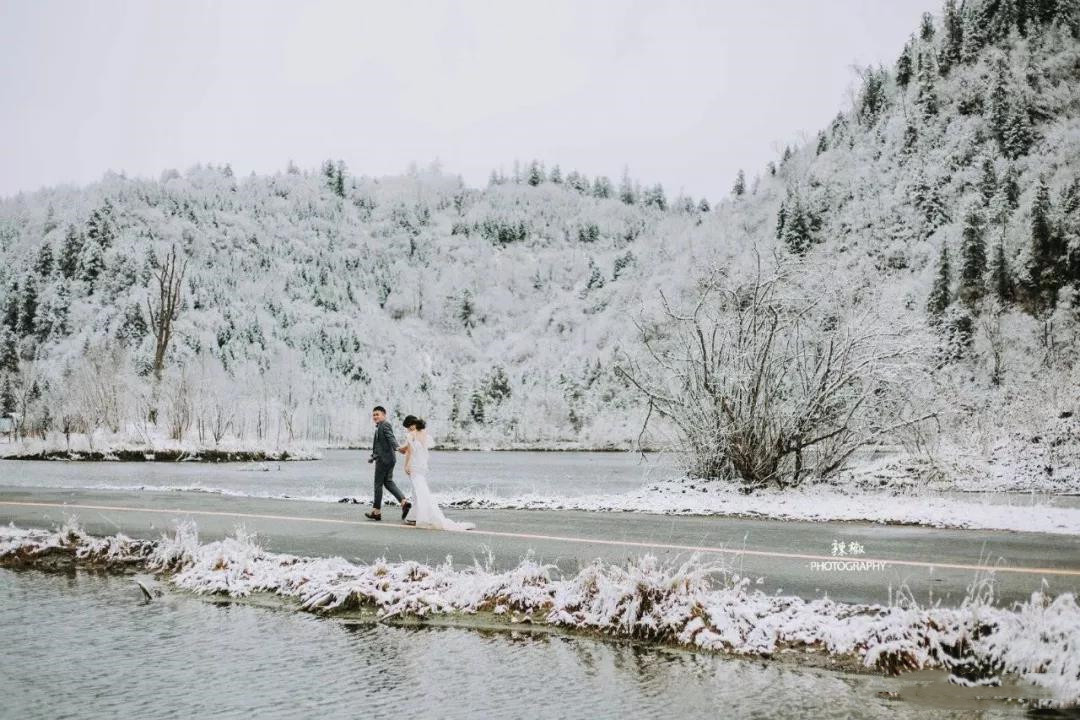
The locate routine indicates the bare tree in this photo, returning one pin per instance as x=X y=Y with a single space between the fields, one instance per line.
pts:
x=170 y=278
x=769 y=387
x=181 y=409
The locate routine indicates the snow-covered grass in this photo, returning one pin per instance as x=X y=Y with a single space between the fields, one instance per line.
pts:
x=705 y=606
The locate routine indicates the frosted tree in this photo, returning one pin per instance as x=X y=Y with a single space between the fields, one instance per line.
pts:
x=761 y=391
x=602 y=187
x=29 y=306
x=952 y=41
x=627 y=192
x=536 y=173
x=654 y=197
x=1040 y=283
x=91 y=265
x=70 y=253
x=940 y=293
x=44 y=264
x=905 y=66
x=7 y=398
x=738 y=189
x=973 y=256
x=1001 y=280
x=164 y=309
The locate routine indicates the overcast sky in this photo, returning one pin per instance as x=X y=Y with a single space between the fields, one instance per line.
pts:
x=684 y=93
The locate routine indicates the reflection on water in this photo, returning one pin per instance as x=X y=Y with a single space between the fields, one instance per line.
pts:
x=84 y=645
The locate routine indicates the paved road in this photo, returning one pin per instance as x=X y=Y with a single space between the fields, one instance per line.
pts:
x=780 y=552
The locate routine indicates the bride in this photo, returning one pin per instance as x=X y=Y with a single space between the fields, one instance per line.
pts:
x=424 y=512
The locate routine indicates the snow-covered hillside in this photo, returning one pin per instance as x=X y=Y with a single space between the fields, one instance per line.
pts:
x=499 y=312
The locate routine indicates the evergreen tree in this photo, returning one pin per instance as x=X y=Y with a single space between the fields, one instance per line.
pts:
x=988 y=183
x=781 y=220
x=11 y=309
x=797 y=225
x=52 y=317
x=1019 y=136
x=999 y=108
x=29 y=307
x=71 y=252
x=9 y=351
x=973 y=256
x=1004 y=19
x=822 y=143
x=536 y=173
x=704 y=206
x=596 y=278
x=926 y=94
x=626 y=190
x=556 y=175
x=655 y=197
x=44 y=264
x=940 y=296
x=739 y=188
x=926 y=27
x=976 y=29
x=329 y=173
x=1069 y=232
x=911 y=139
x=1001 y=281
x=1039 y=283
x=467 y=311
x=1010 y=185
x=621 y=263
x=99 y=228
x=91 y=264
x=338 y=183
x=602 y=187
x=476 y=408
x=578 y=182
x=872 y=99
x=952 y=37
x=904 y=65
x=7 y=397
x=927 y=199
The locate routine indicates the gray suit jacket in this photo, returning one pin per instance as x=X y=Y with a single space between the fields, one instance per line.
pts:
x=384 y=446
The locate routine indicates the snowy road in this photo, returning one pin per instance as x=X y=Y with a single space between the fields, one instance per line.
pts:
x=783 y=553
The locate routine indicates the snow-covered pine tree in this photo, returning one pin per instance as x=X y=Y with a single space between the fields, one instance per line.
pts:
x=973 y=256
x=940 y=293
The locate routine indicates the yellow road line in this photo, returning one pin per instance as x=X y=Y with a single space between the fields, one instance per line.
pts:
x=581 y=540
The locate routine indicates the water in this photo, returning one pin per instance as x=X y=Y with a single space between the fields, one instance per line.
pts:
x=345 y=473
x=83 y=645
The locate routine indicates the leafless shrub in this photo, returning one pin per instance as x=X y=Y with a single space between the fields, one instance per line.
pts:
x=768 y=387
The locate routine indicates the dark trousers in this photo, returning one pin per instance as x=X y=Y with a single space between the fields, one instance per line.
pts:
x=384 y=477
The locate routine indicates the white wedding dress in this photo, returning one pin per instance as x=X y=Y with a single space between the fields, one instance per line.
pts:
x=424 y=510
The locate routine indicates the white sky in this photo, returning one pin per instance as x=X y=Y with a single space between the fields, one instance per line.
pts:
x=684 y=93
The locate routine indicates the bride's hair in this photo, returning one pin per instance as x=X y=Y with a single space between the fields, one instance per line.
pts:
x=414 y=422
x=419 y=424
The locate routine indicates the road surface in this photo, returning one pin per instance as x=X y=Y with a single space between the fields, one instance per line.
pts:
x=934 y=565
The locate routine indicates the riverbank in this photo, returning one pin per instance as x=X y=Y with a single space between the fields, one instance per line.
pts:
x=703 y=606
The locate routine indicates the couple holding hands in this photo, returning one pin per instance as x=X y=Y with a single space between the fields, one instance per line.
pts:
x=422 y=511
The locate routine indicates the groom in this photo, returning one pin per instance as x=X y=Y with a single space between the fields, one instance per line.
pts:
x=383 y=451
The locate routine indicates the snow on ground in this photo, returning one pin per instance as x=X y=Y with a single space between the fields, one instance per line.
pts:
x=699 y=605
x=810 y=503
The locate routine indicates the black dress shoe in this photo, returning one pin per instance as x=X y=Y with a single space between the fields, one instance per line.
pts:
x=405 y=508
x=373 y=516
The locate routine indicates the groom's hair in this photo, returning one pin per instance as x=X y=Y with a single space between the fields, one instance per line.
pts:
x=379 y=408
